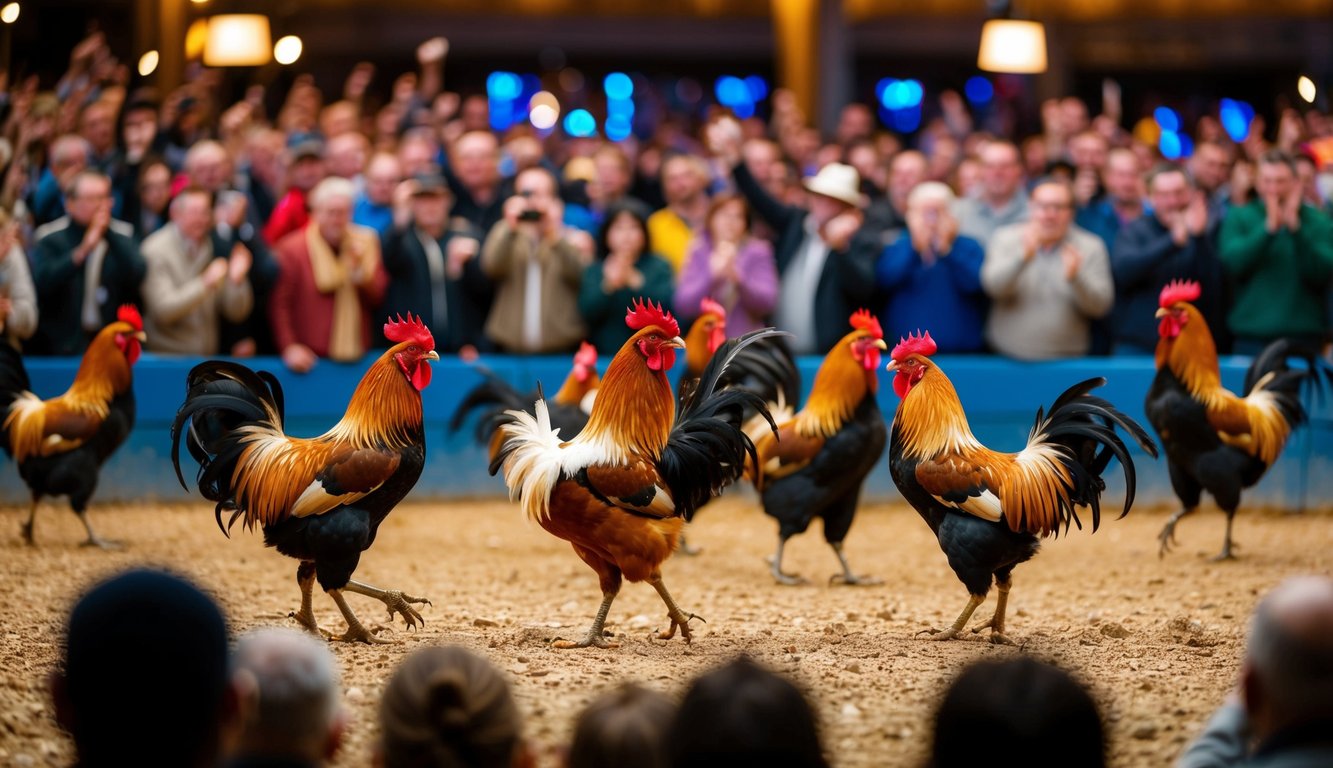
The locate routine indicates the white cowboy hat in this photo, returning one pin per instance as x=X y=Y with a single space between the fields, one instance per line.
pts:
x=838 y=181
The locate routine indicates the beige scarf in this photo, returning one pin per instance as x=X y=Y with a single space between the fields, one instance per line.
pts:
x=333 y=274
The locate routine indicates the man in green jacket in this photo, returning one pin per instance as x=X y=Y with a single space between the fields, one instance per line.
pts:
x=1278 y=255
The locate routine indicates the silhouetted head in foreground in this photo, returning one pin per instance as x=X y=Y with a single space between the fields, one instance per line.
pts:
x=1017 y=711
x=624 y=726
x=145 y=679
x=1287 y=676
x=447 y=707
x=743 y=714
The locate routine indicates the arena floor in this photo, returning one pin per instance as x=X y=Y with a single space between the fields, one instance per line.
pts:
x=1158 y=640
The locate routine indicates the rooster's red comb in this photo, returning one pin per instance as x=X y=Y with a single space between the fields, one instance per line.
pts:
x=710 y=307
x=410 y=329
x=587 y=355
x=862 y=320
x=1177 y=291
x=128 y=313
x=644 y=314
x=914 y=345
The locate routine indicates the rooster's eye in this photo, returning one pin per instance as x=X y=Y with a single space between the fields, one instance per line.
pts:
x=413 y=348
x=652 y=337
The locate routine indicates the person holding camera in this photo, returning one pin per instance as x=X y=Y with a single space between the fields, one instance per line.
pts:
x=537 y=266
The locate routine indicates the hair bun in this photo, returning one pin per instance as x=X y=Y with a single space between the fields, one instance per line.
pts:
x=446 y=702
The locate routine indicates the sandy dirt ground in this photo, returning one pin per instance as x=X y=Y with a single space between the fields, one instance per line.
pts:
x=1157 y=640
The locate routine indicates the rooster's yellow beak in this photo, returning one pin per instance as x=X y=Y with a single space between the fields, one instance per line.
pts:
x=1163 y=312
x=675 y=341
x=431 y=355
x=142 y=337
x=882 y=344
x=892 y=366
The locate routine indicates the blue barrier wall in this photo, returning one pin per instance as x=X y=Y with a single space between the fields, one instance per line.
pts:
x=1001 y=398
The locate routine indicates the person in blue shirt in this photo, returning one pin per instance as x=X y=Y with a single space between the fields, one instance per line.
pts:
x=930 y=278
x=374 y=205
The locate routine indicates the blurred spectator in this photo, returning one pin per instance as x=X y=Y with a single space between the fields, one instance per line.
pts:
x=1307 y=178
x=346 y=154
x=84 y=269
x=97 y=126
x=1172 y=242
x=626 y=270
x=143 y=675
x=685 y=186
x=743 y=714
x=149 y=212
x=18 y=297
x=931 y=278
x=1017 y=711
x=305 y=168
x=473 y=173
x=1087 y=152
x=260 y=171
x=732 y=267
x=68 y=158
x=613 y=173
x=191 y=281
x=293 y=716
x=625 y=726
x=1210 y=168
x=537 y=265
x=139 y=133
x=435 y=273
x=821 y=283
x=446 y=707
x=1048 y=280
x=331 y=280
x=374 y=203
x=1278 y=254
x=1281 y=716
x=885 y=217
x=1002 y=200
x=1122 y=201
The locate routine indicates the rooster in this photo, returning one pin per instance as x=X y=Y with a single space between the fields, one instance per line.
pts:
x=1214 y=440
x=816 y=462
x=987 y=508
x=621 y=490
x=319 y=500
x=569 y=408
x=60 y=444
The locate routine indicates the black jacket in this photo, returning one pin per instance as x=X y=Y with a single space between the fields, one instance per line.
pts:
x=60 y=286
x=468 y=298
x=848 y=279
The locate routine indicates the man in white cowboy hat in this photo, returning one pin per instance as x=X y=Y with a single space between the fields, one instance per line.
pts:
x=822 y=282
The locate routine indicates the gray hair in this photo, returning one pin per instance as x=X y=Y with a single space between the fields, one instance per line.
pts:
x=1290 y=647
x=930 y=192
x=330 y=188
x=296 y=679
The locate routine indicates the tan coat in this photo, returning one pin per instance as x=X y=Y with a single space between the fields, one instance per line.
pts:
x=182 y=315
x=16 y=283
x=505 y=259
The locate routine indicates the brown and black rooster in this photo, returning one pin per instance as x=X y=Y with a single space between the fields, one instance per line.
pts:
x=60 y=444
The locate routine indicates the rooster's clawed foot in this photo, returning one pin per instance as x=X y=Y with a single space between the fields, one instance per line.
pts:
x=852 y=580
x=357 y=633
x=400 y=603
x=681 y=621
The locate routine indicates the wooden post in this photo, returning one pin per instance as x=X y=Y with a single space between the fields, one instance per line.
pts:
x=796 y=33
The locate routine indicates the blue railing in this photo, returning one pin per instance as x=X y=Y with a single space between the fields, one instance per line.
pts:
x=1001 y=398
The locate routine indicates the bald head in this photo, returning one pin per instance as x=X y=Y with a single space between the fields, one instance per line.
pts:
x=1288 y=676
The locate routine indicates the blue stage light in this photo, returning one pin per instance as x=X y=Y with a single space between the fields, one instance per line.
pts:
x=580 y=123
x=503 y=86
x=1167 y=119
x=979 y=90
x=618 y=86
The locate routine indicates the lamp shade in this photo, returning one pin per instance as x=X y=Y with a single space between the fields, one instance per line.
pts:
x=238 y=40
x=1017 y=47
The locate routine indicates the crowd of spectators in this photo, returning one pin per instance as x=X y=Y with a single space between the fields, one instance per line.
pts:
x=294 y=233
x=147 y=677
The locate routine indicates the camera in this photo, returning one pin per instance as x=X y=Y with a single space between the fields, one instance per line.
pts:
x=531 y=214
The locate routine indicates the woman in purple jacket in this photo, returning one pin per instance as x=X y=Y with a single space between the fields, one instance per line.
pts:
x=732 y=267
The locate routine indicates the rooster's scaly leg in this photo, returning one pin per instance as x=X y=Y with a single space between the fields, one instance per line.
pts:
x=678 y=617
x=948 y=634
x=305 y=577
x=356 y=631
x=996 y=623
x=594 y=636
x=1226 y=543
x=93 y=539
x=395 y=601
x=27 y=527
x=786 y=579
x=1167 y=538
x=847 y=577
